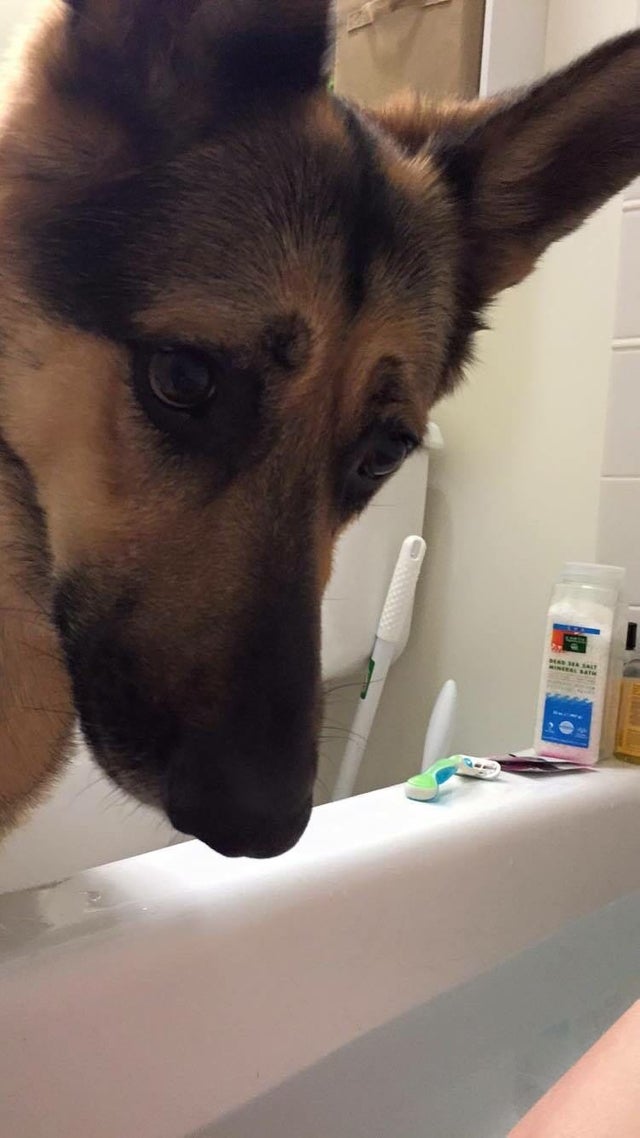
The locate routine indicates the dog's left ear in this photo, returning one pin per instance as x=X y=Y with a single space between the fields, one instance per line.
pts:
x=165 y=69
x=528 y=169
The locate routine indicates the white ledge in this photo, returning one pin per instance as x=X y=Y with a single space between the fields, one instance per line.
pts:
x=214 y=981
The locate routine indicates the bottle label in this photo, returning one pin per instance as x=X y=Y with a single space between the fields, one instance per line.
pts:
x=628 y=742
x=572 y=676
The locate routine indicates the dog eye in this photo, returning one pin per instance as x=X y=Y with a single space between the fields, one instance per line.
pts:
x=385 y=456
x=182 y=378
x=379 y=454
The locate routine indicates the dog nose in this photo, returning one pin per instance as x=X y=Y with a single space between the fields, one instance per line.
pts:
x=234 y=832
x=250 y=803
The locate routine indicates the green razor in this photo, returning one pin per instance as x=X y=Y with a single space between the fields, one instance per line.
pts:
x=425 y=787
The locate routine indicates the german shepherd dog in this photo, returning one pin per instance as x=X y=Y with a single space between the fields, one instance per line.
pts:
x=228 y=301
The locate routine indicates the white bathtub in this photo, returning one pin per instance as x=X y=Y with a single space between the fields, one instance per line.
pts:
x=409 y=971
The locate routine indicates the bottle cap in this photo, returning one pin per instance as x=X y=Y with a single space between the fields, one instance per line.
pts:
x=602 y=576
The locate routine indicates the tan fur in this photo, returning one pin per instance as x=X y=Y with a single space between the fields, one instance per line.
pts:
x=36 y=710
x=72 y=441
x=413 y=119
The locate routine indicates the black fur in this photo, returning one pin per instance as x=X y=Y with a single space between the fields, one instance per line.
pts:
x=232 y=429
x=368 y=208
x=118 y=713
x=33 y=551
x=267 y=61
x=84 y=263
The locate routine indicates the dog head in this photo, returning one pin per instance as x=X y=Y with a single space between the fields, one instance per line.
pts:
x=228 y=301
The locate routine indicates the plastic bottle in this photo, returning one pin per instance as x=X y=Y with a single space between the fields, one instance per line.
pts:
x=582 y=665
x=628 y=733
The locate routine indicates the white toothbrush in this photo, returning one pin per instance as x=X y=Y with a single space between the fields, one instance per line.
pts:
x=390 y=639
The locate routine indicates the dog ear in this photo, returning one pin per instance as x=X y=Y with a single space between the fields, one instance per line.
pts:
x=528 y=169
x=167 y=66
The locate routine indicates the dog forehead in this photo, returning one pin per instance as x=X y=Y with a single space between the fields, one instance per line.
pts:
x=322 y=192
x=254 y=218
x=286 y=209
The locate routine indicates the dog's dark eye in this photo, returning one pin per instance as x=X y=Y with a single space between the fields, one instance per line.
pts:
x=377 y=456
x=182 y=378
x=385 y=456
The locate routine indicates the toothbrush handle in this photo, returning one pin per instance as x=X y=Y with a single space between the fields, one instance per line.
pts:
x=399 y=602
x=382 y=658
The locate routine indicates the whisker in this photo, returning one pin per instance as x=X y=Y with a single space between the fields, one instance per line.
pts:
x=337 y=723
x=44 y=710
x=42 y=653
x=90 y=786
x=340 y=732
x=350 y=684
x=13 y=551
x=320 y=782
x=115 y=797
x=35 y=614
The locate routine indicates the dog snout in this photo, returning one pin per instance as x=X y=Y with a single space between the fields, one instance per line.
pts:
x=219 y=731
x=235 y=832
x=245 y=806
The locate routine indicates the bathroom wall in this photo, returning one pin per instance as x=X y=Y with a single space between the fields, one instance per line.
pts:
x=14 y=16
x=516 y=491
x=619 y=519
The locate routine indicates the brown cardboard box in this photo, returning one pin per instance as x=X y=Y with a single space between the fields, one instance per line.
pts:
x=434 y=48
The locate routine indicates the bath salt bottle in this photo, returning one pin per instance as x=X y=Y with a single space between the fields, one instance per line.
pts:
x=582 y=665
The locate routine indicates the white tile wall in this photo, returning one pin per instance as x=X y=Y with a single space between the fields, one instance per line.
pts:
x=619 y=529
x=627 y=322
x=634 y=614
x=622 y=440
x=619 y=519
x=632 y=192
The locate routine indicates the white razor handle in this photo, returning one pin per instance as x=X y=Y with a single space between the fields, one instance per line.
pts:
x=392 y=624
x=471 y=767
